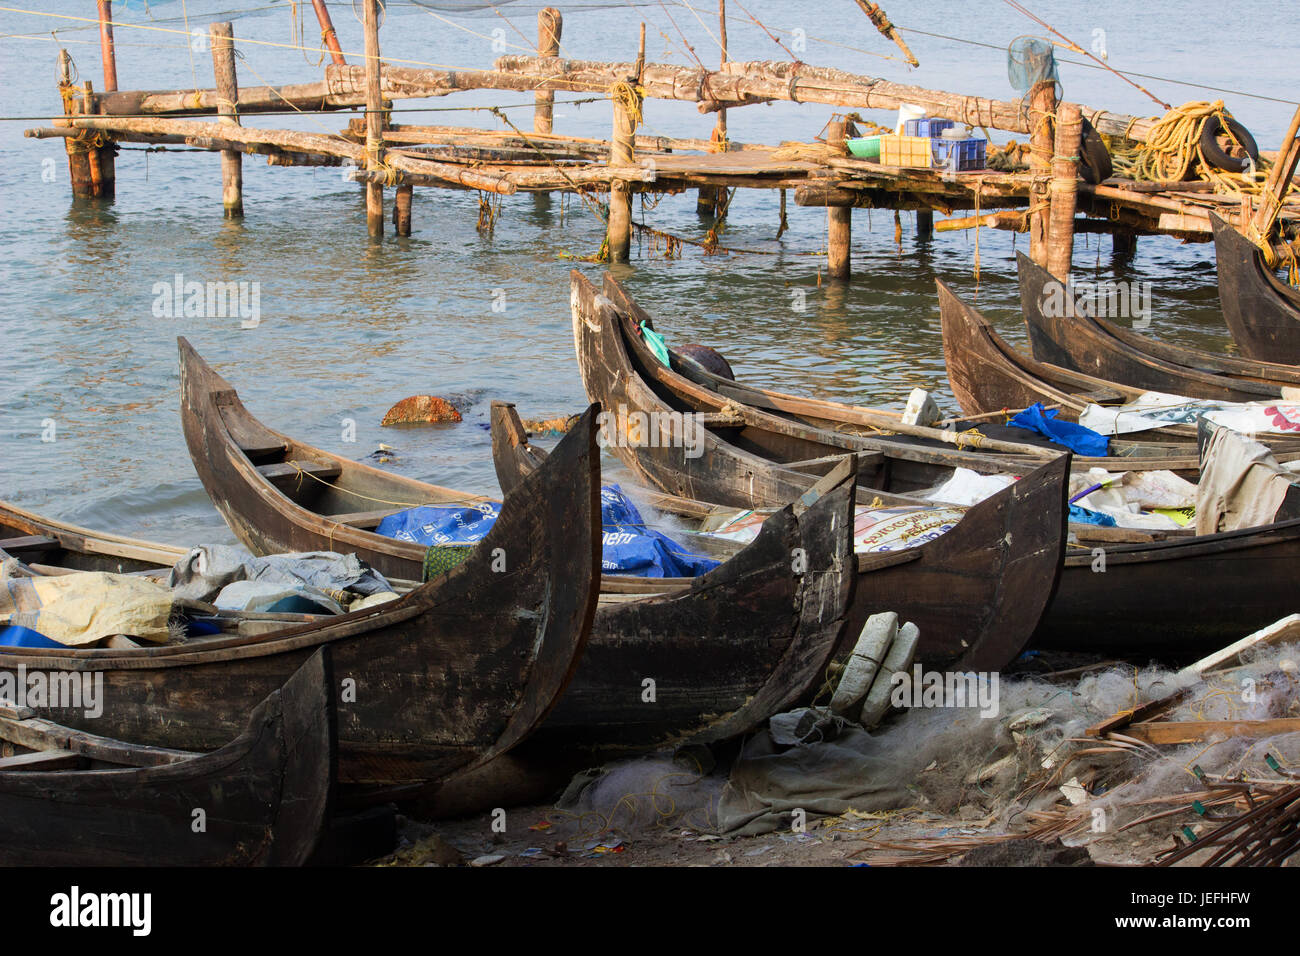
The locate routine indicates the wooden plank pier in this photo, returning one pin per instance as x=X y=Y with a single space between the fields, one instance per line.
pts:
x=1047 y=199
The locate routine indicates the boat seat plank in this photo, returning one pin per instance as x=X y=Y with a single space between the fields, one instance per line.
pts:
x=288 y=471
x=363 y=519
x=254 y=440
x=866 y=459
x=42 y=760
x=28 y=543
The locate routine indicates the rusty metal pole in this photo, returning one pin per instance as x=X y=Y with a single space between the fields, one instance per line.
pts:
x=106 y=49
x=327 y=32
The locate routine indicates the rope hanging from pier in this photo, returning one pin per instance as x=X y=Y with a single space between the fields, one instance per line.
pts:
x=630 y=97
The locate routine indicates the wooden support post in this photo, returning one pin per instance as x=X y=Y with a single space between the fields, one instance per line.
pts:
x=1042 y=109
x=327 y=32
x=839 y=219
x=622 y=147
x=1123 y=245
x=549 y=26
x=709 y=199
x=107 y=51
x=1278 y=181
x=223 y=66
x=619 y=228
x=925 y=224
x=83 y=186
x=402 y=211
x=1064 y=190
x=374 y=118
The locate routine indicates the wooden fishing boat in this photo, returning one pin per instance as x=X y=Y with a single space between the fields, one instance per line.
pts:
x=1141 y=563
x=1261 y=311
x=988 y=375
x=71 y=798
x=57 y=547
x=450 y=675
x=973 y=594
x=988 y=445
x=726 y=650
x=1064 y=331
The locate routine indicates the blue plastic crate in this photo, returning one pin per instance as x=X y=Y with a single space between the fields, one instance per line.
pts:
x=925 y=126
x=959 y=154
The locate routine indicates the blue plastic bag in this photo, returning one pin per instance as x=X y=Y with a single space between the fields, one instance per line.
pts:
x=14 y=636
x=1077 y=438
x=629 y=547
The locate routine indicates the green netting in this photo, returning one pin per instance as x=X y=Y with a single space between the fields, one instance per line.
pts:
x=1030 y=60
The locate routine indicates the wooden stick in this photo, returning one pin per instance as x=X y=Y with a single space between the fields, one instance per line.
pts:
x=887 y=29
x=374 y=118
x=1279 y=177
x=1196 y=731
x=549 y=26
x=1064 y=190
x=327 y=32
x=223 y=66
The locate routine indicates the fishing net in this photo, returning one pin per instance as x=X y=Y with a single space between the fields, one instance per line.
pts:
x=1030 y=60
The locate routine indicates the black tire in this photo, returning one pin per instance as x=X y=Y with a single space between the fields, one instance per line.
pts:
x=1094 y=158
x=1215 y=154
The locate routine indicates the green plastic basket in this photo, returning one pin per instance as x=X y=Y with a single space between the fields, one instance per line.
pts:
x=865 y=147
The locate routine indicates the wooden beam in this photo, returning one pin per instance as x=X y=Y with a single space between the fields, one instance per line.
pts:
x=1197 y=731
x=839 y=219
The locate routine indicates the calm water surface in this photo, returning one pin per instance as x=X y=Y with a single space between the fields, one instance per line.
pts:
x=349 y=326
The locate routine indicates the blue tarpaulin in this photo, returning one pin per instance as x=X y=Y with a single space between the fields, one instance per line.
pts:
x=1077 y=438
x=15 y=636
x=629 y=546
x=1081 y=515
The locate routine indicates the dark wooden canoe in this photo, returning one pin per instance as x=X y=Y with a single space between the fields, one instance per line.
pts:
x=1142 y=564
x=1012 y=446
x=452 y=674
x=55 y=546
x=1261 y=311
x=976 y=593
x=1175 y=599
x=1063 y=331
x=70 y=798
x=726 y=650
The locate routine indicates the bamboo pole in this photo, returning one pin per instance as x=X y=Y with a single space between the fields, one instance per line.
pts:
x=223 y=66
x=1064 y=190
x=550 y=24
x=374 y=118
x=1279 y=179
x=107 y=51
x=839 y=219
x=1042 y=106
x=327 y=32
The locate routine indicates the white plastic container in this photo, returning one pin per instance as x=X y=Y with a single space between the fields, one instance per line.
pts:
x=908 y=112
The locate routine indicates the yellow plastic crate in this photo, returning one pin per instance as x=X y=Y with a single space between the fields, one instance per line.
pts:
x=906 y=151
